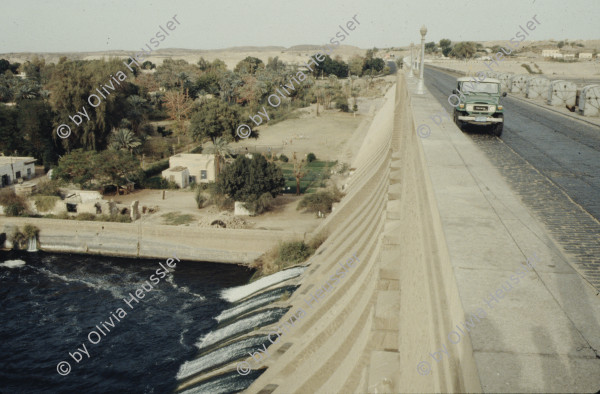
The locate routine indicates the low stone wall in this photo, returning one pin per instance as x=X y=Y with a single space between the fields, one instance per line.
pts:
x=149 y=241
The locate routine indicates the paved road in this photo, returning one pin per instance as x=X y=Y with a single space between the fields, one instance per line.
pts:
x=553 y=162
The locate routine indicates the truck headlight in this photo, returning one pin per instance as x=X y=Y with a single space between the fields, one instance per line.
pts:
x=500 y=108
x=461 y=106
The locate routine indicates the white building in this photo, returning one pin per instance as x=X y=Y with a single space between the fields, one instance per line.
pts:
x=13 y=169
x=585 y=55
x=201 y=168
x=550 y=52
x=180 y=175
x=569 y=56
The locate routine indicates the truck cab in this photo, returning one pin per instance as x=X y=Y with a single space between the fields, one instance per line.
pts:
x=479 y=104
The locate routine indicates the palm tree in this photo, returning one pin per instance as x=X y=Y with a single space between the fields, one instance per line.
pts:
x=137 y=111
x=124 y=139
x=220 y=148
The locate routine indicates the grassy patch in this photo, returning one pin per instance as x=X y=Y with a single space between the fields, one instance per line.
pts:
x=176 y=218
x=317 y=173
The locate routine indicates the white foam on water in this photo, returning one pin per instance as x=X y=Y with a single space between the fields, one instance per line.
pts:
x=216 y=357
x=247 y=305
x=96 y=286
x=237 y=327
x=237 y=293
x=13 y=263
x=183 y=289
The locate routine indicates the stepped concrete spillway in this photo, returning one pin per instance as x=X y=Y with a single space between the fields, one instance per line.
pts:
x=437 y=233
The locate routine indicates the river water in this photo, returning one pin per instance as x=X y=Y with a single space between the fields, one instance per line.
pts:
x=49 y=303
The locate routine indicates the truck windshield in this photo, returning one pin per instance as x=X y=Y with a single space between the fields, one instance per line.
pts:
x=479 y=87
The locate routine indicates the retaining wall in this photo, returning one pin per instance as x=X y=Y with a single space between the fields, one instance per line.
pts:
x=149 y=241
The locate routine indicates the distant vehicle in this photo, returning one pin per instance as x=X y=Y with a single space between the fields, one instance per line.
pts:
x=479 y=104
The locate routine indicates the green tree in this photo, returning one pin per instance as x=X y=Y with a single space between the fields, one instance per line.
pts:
x=10 y=139
x=71 y=84
x=445 y=43
x=148 y=65
x=560 y=44
x=208 y=83
x=137 y=111
x=124 y=139
x=214 y=119
x=463 y=50
x=446 y=46
x=274 y=64
x=248 y=179
x=107 y=168
x=220 y=148
x=34 y=122
x=430 y=47
x=117 y=168
x=78 y=167
x=330 y=66
x=249 y=65
x=355 y=65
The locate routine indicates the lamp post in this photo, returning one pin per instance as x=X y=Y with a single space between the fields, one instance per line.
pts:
x=411 y=74
x=421 y=85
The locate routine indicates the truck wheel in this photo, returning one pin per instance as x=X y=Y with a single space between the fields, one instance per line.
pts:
x=498 y=127
x=459 y=123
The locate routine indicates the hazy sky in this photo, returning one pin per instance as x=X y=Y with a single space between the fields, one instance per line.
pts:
x=94 y=25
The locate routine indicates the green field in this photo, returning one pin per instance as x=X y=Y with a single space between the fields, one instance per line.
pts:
x=317 y=173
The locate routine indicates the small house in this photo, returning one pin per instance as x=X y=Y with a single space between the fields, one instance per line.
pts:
x=180 y=175
x=13 y=169
x=201 y=167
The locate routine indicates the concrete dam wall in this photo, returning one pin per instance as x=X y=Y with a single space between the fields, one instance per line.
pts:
x=367 y=330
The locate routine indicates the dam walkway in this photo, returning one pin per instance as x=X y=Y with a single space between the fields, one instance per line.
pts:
x=456 y=287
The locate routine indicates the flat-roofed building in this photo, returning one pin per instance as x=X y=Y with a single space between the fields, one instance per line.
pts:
x=13 y=169
x=180 y=175
x=201 y=167
x=550 y=52
x=586 y=55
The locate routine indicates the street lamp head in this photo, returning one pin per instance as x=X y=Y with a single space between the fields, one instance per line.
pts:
x=423 y=30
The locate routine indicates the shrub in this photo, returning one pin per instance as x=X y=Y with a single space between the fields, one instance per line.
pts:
x=48 y=188
x=200 y=198
x=283 y=158
x=119 y=218
x=30 y=231
x=13 y=205
x=14 y=209
x=293 y=252
x=261 y=204
x=156 y=168
x=172 y=185
x=85 y=216
x=17 y=238
x=62 y=215
x=320 y=201
x=311 y=157
x=45 y=203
